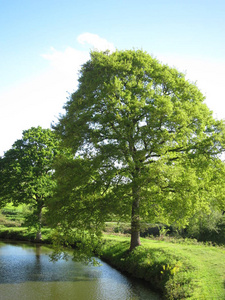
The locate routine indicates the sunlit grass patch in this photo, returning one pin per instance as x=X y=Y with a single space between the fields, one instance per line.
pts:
x=178 y=270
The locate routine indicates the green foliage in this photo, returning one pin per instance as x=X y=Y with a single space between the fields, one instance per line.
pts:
x=26 y=171
x=170 y=270
x=27 y=167
x=163 y=231
x=84 y=243
x=181 y=286
x=76 y=206
x=208 y=227
x=143 y=144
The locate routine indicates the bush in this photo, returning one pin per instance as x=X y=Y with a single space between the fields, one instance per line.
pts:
x=208 y=228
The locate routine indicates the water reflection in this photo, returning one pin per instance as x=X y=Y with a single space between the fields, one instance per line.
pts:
x=27 y=273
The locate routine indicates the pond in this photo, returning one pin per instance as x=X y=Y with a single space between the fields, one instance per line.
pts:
x=26 y=273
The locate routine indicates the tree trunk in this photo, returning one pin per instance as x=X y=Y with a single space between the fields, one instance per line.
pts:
x=135 y=220
x=38 y=234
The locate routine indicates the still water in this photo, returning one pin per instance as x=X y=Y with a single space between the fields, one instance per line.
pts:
x=26 y=273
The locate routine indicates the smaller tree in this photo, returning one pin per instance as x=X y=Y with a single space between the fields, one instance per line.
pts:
x=26 y=172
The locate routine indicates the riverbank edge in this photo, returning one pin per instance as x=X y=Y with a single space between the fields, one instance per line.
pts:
x=169 y=275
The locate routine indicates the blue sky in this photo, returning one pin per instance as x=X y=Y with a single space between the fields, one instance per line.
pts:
x=44 y=42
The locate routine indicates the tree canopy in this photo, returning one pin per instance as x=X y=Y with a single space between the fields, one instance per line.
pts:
x=26 y=171
x=144 y=143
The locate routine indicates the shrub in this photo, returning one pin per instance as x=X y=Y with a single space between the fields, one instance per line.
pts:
x=208 y=228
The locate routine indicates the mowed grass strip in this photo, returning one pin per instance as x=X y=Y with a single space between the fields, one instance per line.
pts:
x=180 y=270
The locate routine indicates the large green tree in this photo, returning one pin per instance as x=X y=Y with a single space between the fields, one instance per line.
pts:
x=146 y=140
x=26 y=172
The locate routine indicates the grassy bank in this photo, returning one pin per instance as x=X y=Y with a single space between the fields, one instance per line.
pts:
x=23 y=234
x=177 y=269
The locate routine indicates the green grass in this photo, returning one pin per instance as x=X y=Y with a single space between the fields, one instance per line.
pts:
x=179 y=270
x=24 y=234
x=11 y=216
x=208 y=263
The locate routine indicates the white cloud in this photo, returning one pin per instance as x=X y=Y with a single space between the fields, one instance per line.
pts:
x=94 y=40
x=68 y=60
x=40 y=100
